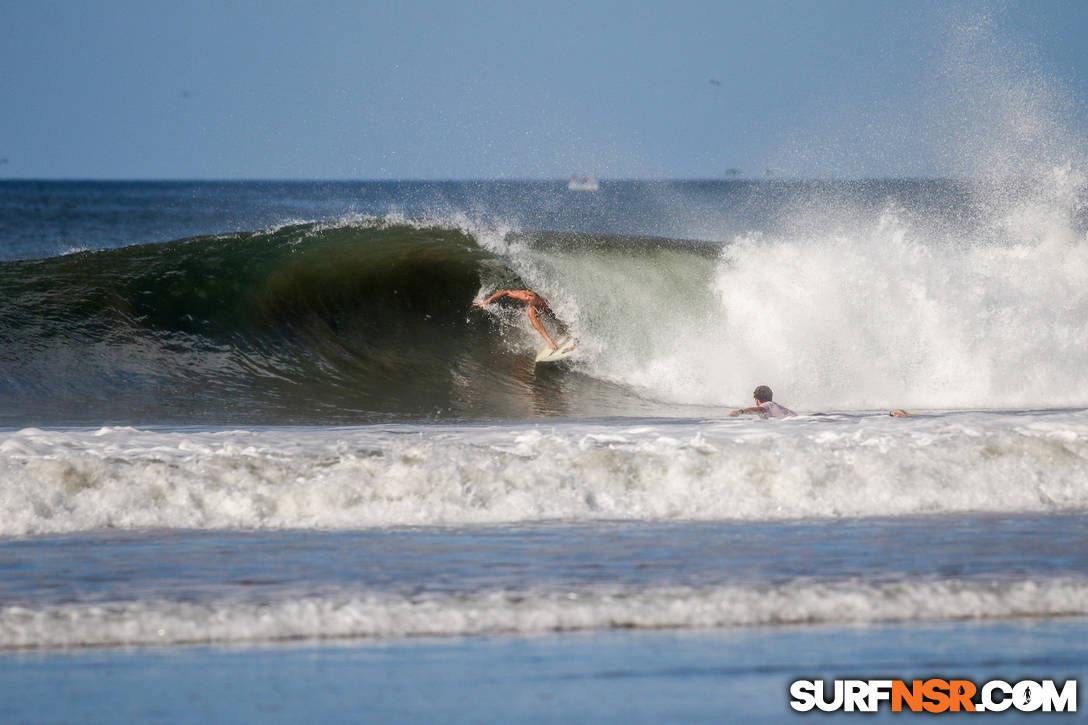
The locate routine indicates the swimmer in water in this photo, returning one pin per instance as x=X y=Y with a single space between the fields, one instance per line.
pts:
x=764 y=406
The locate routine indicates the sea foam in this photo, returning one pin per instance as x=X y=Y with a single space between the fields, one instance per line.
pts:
x=365 y=615
x=848 y=303
x=54 y=481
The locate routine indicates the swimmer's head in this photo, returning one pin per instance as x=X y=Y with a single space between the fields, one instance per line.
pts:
x=763 y=394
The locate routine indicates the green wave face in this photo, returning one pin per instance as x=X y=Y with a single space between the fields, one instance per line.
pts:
x=295 y=322
x=312 y=323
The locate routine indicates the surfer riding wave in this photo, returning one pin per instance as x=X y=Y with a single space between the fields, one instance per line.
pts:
x=536 y=308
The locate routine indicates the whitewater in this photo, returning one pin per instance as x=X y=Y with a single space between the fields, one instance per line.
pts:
x=67 y=481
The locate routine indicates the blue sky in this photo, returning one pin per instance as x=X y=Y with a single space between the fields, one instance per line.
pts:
x=470 y=90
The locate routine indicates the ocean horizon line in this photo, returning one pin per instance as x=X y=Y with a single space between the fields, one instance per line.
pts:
x=486 y=180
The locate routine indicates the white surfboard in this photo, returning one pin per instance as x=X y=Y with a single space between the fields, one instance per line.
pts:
x=566 y=348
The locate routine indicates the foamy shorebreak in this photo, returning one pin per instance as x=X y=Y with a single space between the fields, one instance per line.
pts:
x=57 y=481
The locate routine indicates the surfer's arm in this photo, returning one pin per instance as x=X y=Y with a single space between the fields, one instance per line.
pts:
x=498 y=295
x=525 y=295
x=741 y=411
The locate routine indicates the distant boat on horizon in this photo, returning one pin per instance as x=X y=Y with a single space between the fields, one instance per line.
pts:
x=583 y=183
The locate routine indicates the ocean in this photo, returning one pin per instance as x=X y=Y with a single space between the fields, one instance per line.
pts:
x=262 y=459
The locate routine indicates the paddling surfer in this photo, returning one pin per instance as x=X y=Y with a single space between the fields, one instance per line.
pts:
x=767 y=408
x=764 y=406
x=535 y=307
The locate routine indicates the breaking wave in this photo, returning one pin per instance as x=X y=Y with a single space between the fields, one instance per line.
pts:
x=363 y=615
x=839 y=305
x=351 y=478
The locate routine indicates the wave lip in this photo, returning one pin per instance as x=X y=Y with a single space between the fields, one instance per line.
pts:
x=528 y=612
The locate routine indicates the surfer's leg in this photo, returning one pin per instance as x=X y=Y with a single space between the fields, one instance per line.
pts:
x=549 y=320
x=534 y=317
